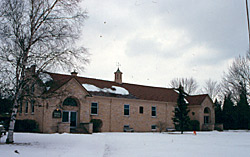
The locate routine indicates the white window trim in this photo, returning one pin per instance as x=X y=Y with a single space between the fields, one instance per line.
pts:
x=69 y=119
x=128 y=110
x=91 y=108
x=155 y=128
x=152 y=111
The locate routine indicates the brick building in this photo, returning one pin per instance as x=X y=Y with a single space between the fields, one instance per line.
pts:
x=67 y=103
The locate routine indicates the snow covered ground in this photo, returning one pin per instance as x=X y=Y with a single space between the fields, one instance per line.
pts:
x=204 y=144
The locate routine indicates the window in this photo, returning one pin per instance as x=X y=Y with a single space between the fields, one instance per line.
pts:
x=26 y=107
x=126 y=110
x=126 y=126
x=153 y=127
x=65 y=117
x=70 y=116
x=153 y=111
x=21 y=107
x=94 y=108
x=207 y=115
x=32 y=106
x=206 y=110
x=141 y=110
x=70 y=102
x=206 y=119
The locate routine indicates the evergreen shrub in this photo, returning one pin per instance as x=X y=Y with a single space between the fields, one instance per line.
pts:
x=97 y=124
x=194 y=125
x=26 y=125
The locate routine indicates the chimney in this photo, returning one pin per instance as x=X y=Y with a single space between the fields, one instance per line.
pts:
x=74 y=73
x=118 y=76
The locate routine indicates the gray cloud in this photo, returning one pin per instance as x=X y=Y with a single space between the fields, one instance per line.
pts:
x=195 y=33
x=139 y=47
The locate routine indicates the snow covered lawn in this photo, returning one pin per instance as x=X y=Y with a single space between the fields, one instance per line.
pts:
x=204 y=144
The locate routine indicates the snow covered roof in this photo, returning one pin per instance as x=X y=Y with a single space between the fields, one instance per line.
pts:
x=45 y=77
x=113 y=89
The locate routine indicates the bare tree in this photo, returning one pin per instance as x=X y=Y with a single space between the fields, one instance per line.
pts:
x=190 y=85
x=212 y=88
x=161 y=126
x=41 y=33
x=238 y=76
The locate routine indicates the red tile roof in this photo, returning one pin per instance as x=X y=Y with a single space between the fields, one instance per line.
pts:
x=135 y=91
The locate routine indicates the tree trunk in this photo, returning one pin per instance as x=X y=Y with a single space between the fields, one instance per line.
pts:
x=10 y=138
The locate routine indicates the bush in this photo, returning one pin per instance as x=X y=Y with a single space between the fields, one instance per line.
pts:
x=194 y=125
x=161 y=126
x=97 y=124
x=26 y=125
x=5 y=105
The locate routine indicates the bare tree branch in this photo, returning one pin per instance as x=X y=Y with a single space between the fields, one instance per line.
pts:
x=212 y=88
x=41 y=33
x=190 y=85
x=238 y=76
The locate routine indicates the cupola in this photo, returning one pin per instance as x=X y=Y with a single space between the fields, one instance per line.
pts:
x=74 y=73
x=118 y=76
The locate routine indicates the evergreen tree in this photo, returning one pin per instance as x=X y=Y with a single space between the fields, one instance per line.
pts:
x=218 y=112
x=229 y=114
x=181 y=119
x=242 y=109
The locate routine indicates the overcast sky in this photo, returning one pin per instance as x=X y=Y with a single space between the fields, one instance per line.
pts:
x=158 y=40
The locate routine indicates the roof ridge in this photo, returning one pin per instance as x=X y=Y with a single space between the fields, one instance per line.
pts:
x=113 y=81
x=198 y=95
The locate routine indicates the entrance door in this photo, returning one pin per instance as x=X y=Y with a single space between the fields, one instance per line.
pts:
x=70 y=116
x=72 y=119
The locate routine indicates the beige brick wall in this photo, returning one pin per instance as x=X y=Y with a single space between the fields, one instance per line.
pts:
x=110 y=111
x=199 y=112
x=44 y=108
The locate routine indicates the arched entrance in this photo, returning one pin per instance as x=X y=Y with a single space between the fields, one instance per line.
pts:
x=69 y=114
x=207 y=115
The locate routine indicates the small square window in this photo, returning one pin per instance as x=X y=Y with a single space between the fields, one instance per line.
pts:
x=141 y=110
x=94 y=108
x=126 y=126
x=126 y=110
x=153 y=127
